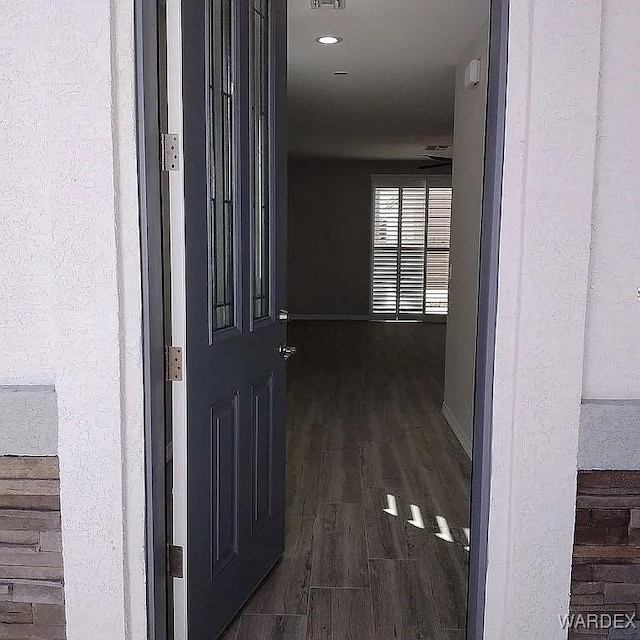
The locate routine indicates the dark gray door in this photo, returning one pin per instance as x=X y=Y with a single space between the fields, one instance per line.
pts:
x=234 y=174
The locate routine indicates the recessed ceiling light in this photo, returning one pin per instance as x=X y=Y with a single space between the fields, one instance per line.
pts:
x=328 y=39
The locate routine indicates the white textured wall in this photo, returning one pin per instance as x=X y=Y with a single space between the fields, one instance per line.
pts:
x=609 y=430
x=71 y=304
x=25 y=222
x=468 y=175
x=554 y=57
x=612 y=348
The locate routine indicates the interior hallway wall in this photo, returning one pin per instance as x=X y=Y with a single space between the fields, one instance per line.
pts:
x=468 y=173
x=330 y=233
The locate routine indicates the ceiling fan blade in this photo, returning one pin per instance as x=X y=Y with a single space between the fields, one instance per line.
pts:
x=435 y=165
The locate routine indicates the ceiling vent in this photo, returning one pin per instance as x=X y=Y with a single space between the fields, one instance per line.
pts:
x=328 y=4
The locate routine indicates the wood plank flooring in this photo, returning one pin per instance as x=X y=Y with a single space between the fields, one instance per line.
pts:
x=377 y=493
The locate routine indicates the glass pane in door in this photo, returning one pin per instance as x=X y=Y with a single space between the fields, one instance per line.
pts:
x=220 y=71
x=259 y=67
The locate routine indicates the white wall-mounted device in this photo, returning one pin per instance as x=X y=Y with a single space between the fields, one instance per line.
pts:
x=472 y=73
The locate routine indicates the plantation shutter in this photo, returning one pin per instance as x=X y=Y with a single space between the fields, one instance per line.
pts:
x=438 y=244
x=385 y=249
x=409 y=278
x=412 y=229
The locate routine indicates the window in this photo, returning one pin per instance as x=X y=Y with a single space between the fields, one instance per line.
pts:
x=411 y=232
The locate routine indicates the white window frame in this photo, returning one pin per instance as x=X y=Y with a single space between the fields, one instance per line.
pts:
x=402 y=180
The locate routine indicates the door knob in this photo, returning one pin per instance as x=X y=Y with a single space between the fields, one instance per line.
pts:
x=286 y=351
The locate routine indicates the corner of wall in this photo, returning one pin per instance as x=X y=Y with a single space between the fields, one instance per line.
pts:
x=128 y=257
x=463 y=435
x=548 y=167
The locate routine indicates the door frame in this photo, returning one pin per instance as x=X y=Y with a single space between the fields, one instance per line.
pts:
x=153 y=338
x=487 y=315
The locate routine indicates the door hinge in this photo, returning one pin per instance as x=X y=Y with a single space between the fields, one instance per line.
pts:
x=175 y=558
x=173 y=363
x=170 y=151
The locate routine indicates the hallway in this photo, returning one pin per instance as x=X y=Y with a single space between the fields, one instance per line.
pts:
x=377 y=493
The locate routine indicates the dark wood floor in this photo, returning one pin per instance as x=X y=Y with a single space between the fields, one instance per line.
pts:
x=378 y=493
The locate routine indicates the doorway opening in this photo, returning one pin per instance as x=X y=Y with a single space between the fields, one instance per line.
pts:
x=356 y=509
x=387 y=116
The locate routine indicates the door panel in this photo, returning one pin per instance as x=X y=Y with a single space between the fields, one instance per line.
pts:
x=234 y=165
x=223 y=449
x=262 y=461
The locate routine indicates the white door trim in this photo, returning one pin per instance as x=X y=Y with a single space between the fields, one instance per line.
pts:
x=178 y=314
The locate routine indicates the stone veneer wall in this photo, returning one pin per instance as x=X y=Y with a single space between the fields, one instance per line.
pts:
x=31 y=578
x=606 y=556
